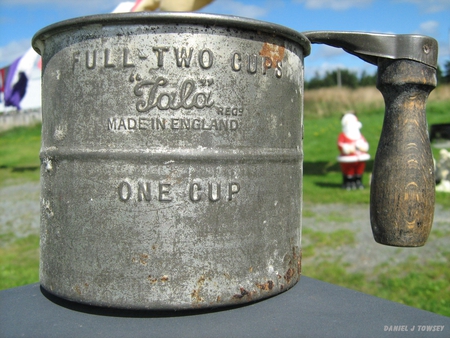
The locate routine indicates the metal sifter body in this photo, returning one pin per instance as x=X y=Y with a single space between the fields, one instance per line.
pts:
x=172 y=154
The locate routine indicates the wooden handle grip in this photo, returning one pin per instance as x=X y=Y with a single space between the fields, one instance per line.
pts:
x=403 y=184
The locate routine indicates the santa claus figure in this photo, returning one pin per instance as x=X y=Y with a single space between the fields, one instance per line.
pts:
x=353 y=148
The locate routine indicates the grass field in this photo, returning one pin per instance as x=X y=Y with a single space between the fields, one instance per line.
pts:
x=428 y=288
x=19 y=155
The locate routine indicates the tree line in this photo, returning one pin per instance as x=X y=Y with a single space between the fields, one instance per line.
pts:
x=347 y=78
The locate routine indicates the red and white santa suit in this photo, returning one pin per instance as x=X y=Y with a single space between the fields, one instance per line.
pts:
x=353 y=149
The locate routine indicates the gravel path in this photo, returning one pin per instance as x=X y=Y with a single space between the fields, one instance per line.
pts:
x=19 y=211
x=19 y=216
x=365 y=253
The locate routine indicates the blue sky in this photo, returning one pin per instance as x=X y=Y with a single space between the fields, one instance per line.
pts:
x=20 y=19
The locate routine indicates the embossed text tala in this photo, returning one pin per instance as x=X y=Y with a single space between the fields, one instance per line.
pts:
x=155 y=93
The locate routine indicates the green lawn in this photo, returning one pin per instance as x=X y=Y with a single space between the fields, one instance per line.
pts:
x=19 y=155
x=19 y=262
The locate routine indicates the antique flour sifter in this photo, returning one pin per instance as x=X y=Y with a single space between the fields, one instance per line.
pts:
x=172 y=155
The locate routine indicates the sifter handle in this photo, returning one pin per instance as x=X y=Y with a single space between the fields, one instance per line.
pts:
x=402 y=187
x=403 y=183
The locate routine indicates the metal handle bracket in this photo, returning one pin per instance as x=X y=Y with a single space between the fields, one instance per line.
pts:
x=372 y=46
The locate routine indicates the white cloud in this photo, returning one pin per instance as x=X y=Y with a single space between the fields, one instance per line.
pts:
x=232 y=7
x=249 y=11
x=325 y=52
x=96 y=5
x=430 y=6
x=429 y=28
x=12 y=51
x=338 y=5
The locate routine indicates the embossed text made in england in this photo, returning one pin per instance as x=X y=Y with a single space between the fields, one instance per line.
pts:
x=124 y=124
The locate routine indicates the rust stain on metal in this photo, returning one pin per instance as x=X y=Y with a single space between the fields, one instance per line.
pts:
x=143 y=258
x=299 y=261
x=77 y=289
x=267 y=286
x=293 y=265
x=272 y=53
x=242 y=294
x=288 y=275
x=152 y=279
x=195 y=294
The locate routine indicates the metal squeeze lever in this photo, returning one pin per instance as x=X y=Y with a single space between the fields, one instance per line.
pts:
x=403 y=184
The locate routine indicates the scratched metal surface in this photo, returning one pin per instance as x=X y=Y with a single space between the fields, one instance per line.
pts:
x=171 y=160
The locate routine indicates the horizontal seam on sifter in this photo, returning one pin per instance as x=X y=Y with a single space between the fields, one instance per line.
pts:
x=180 y=155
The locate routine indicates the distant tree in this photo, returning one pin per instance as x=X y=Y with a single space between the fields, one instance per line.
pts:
x=446 y=72
x=345 y=77
x=331 y=79
x=367 y=80
x=349 y=79
x=439 y=75
x=315 y=82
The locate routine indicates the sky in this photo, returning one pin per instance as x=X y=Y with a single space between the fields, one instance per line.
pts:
x=21 y=19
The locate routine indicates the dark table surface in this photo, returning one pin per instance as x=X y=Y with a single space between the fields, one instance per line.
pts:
x=310 y=309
